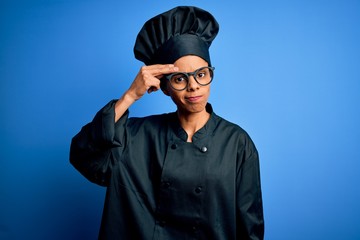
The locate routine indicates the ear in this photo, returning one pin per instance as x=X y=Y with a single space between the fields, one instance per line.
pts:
x=165 y=88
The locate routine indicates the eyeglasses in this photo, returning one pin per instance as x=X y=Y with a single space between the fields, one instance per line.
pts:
x=180 y=80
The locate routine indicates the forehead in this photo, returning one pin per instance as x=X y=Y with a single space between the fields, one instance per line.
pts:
x=190 y=63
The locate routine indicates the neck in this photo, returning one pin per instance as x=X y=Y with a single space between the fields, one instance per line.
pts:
x=192 y=122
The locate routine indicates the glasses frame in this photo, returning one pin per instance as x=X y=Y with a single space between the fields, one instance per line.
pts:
x=188 y=74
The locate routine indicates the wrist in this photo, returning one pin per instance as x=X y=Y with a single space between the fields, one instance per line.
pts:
x=128 y=98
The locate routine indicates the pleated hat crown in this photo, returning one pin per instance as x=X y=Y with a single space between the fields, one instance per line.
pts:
x=176 y=33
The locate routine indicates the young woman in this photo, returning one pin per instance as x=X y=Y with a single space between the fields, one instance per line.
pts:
x=183 y=175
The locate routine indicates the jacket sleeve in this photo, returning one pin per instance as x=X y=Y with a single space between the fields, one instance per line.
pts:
x=250 y=219
x=92 y=149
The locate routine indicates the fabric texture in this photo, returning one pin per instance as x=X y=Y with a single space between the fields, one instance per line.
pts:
x=178 y=32
x=161 y=187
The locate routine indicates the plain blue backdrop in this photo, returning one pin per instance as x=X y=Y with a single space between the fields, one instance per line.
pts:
x=288 y=72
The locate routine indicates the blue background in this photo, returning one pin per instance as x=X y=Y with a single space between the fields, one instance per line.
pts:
x=286 y=71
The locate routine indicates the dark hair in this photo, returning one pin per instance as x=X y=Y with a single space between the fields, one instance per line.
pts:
x=163 y=83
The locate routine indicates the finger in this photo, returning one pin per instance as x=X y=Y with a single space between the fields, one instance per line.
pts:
x=152 y=89
x=154 y=86
x=161 y=69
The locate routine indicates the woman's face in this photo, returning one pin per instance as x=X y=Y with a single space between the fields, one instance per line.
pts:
x=194 y=98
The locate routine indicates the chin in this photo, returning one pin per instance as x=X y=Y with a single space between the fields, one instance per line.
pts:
x=193 y=108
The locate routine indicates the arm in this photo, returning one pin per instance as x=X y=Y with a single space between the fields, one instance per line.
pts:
x=250 y=223
x=93 y=149
x=147 y=80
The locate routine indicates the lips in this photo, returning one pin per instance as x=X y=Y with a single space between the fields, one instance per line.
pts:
x=193 y=98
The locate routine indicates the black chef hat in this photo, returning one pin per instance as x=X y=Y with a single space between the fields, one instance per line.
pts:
x=173 y=34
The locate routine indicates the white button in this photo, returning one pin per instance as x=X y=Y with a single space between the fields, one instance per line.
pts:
x=204 y=149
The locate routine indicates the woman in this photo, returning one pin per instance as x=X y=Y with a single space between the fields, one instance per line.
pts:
x=183 y=175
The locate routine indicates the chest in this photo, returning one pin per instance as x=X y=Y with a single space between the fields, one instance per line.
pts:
x=179 y=172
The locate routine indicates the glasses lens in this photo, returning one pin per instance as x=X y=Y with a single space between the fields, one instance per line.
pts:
x=204 y=75
x=179 y=81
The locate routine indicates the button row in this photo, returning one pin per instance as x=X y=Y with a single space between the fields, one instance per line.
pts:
x=203 y=149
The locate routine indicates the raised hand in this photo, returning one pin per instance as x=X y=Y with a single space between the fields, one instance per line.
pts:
x=147 y=80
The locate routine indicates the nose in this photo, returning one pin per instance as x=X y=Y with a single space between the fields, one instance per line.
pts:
x=192 y=84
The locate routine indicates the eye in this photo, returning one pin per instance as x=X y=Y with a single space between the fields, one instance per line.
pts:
x=201 y=74
x=180 y=78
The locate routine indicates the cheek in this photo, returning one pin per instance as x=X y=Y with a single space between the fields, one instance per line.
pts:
x=208 y=90
x=175 y=97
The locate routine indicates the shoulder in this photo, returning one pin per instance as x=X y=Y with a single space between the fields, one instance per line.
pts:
x=221 y=124
x=232 y=131
x=224 y=124
x=236 y=135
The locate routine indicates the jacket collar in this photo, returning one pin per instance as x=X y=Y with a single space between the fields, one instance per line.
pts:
x=206 y=130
